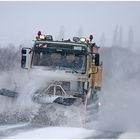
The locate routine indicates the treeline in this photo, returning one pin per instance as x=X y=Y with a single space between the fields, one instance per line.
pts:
x=9 y=58
x=118 y=38
x=120 y=63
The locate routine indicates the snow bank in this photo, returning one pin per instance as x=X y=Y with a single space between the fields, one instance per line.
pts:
x=130 y=135
x=55 y=132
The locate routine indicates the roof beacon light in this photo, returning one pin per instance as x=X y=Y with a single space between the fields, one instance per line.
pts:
x=39 y=33
x=91 y=38
x=82 y=40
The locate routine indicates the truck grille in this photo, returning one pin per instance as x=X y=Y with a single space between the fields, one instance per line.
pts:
x=71 y=87
x=65 y=85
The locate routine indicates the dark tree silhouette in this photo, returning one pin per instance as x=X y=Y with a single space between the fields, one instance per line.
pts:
x=61 y=33
x=130 y=37
x=80 y=32
x=120 y=37
x=10 y=58
x=102 y=40
x=115 y=37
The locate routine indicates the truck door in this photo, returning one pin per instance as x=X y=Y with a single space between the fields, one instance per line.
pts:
x=25 y=57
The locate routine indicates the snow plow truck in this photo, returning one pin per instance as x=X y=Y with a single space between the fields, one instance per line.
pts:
x=79 y=58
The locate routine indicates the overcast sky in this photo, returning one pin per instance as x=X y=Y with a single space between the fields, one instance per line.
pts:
x=19 y=21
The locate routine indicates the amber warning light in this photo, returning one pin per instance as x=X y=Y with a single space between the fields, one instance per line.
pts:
x=91 y=38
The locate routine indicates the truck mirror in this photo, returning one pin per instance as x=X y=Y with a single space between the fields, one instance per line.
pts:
x=24 y=57
x=97 y=59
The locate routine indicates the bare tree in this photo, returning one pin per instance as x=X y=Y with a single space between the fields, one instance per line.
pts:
x=61 y=33
x=80 y=32
x=102 y=40
x=115 y=37
x=10 y=58
x=120 y=37
x=131 y=37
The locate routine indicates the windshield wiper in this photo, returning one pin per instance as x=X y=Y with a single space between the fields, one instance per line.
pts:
x=77 y=66
x=69 y=68
x=74 y=70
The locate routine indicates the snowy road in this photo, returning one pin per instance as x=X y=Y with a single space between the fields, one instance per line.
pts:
x=28 y=131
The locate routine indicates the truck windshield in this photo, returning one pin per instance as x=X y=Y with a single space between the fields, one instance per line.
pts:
x=72 y=61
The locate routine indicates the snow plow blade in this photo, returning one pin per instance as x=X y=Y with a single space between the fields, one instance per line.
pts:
x=8 y=93
x=67 y=101
x=54 y=93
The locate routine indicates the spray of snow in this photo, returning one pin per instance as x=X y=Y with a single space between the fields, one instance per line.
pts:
x=23 y=108
x=120 y=102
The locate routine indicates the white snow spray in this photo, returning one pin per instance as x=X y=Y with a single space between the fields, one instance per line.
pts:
x=120 y=103
x=26 y=83
x=121 y=90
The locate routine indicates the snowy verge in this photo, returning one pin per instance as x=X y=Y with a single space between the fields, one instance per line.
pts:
x=55 y=132
x=130 y=135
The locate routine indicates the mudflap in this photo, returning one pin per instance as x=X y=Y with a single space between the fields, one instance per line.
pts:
x=92 y=108
x=8 y=93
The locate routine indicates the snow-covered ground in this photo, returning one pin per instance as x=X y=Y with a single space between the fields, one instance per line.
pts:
x=25 y=131
x=55 y=132
x=130 y=135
